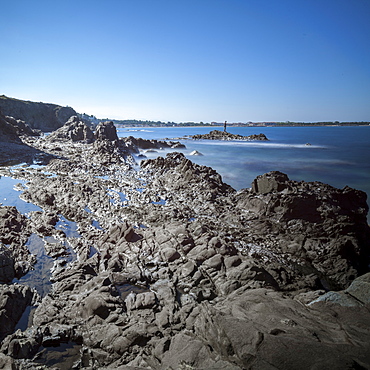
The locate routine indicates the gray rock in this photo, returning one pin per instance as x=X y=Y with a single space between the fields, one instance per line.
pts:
x=74 y=129
x=339 y=298
x=215 y=279
x=170 y=254
x=357 y=294
x=13 y=301
x=7 y=271
x=106 y=131
x=273 y=181
x=195 y=152
x=360 y=289
x=42 y=116
x=6 y=362
x=223 y=135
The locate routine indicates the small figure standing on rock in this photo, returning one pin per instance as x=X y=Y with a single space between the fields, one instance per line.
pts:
x=225 y=126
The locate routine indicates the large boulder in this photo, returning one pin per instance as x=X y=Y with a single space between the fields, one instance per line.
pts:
x=269 y=182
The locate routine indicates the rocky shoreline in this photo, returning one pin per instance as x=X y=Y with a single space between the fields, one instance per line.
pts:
x=168 y=267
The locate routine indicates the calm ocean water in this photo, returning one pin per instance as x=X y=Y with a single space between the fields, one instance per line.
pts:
x=338 y=156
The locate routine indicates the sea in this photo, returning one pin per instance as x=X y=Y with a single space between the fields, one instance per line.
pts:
x=336 y=155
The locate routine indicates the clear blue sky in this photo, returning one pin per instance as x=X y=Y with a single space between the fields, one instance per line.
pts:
x=191 y=60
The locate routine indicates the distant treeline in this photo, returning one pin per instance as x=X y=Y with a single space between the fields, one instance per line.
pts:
x=336 y=123
x=138 y=123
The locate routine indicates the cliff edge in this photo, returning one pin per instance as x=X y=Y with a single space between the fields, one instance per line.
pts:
x=42 y=116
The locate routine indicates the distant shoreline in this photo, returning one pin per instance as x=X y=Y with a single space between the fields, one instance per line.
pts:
x=246 y=126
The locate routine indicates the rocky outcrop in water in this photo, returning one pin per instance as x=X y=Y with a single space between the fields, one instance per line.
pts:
x=41 y=116
x=223 y=135
x=137 y=143
x=176 y=269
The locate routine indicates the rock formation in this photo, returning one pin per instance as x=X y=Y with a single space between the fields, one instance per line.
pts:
x=12 y=148
x=137 y=143
x=168 y=267
x=106 y=131
x=41 y=116
x=74 y=129
x=223 y=135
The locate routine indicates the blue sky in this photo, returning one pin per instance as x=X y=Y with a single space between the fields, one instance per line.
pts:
x=191 y=60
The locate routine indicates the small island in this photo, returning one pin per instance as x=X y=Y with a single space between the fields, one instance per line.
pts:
x=223 y=135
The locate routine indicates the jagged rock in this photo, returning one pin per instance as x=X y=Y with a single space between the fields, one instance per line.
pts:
x=12 y=225
x=139 y=143
x=21 y=127
x=74 y=129
x=13 y=301
x=8 y=133
x=195 y=152
x=177 y=174
x=185 y=270
x=44 y=222
x=15 y=259
x=140 y=301
x=310 y=221
x=7 y=271
x=106 y=131
x=12 y=149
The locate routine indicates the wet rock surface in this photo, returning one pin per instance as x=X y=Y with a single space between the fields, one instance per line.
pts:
x=167 y=267
x=224 y=135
